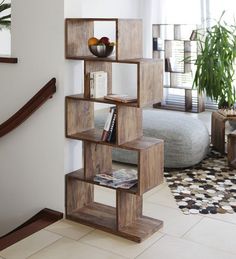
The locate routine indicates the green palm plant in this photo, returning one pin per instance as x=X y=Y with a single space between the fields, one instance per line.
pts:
x=215 y=64
x=5 y=20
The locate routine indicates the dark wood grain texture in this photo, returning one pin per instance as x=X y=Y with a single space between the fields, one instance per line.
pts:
x=75 y=114
x=77 y=33
x=151 y=164
x=188 y=100
x=100 y=100
x=231 y=149
x=141 y=229
x=97 y=159
x=39 y=221
x=79 y=175
x=78 y=194
x=150 y=82
x=96 y=215
x=218 y=131
x=129 y=124
x=129 y=208
x=8 y=60
x=30 y=107
x=130 y=39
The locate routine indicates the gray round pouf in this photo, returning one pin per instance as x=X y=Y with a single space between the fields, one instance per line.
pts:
x=186 y=139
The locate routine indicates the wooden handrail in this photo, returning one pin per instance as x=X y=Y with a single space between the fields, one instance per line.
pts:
x=11 y=60
x=39 y=221
x=32 y=105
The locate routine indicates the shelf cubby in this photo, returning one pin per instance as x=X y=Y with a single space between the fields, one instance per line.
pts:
x=150 y=153
x=128 y=37
x=126 y=218
x=79 y=128
x=179 y=50
x=149 y=82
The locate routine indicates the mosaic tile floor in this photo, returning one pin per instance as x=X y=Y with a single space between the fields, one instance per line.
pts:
x=209 y=187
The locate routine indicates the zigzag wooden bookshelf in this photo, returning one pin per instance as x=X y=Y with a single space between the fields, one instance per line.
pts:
x=126 y=219
x=176 y=41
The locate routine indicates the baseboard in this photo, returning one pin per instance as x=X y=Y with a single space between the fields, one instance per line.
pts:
x=39 y=221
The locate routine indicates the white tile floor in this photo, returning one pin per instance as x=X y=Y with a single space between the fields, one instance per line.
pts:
x=182 y=237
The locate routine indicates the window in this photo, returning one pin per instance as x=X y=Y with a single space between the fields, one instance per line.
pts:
x=5 y=38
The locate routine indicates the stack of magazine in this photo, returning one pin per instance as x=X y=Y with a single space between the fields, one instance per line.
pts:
x=122 y=178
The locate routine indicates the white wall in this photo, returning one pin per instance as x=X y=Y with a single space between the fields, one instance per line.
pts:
x=102 y=8
x=167 y=11
x=32 y=156
x=5 y=37
x=35 y=156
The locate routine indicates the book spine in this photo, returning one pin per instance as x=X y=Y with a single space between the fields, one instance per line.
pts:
x=107 y=124
x=154 y=44
x=112 y=129
x=91 y=84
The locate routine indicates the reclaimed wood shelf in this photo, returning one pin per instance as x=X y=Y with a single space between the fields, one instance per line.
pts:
x=101 y=100
x=175 y=43
x=231 y=148
x=104 y=217
x=188 y=106
x=218 y=121
x=126 y=218
x=79 y=30
x=79 y=175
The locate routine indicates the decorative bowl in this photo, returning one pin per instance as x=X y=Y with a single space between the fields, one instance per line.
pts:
x=101 y=51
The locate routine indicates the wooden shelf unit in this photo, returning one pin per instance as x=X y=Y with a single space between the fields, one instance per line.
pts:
x=128 y=34
x=126 y=219
x=175 y=43
x=149 y=78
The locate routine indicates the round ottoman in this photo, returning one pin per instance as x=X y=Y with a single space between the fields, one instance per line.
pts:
x=186 y=139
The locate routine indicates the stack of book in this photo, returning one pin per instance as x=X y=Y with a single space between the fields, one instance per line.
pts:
x=109 y=130
x=122 y=178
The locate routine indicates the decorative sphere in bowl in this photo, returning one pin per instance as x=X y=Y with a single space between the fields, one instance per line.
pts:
x=101 y=50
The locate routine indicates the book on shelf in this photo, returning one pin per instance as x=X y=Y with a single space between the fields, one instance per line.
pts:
x=158 y=44
x=124 y=98
x=108 y=124
x=168 y=65
x=193 y=35
x=121 y=178
x=98 y=84
x=111 y=136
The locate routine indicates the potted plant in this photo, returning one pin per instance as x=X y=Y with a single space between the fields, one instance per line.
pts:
x=215 y=63
x=5 y=20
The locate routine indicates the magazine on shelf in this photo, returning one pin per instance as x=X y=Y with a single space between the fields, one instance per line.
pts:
x=124 y=98
x=121 y=178
x=98 y=84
